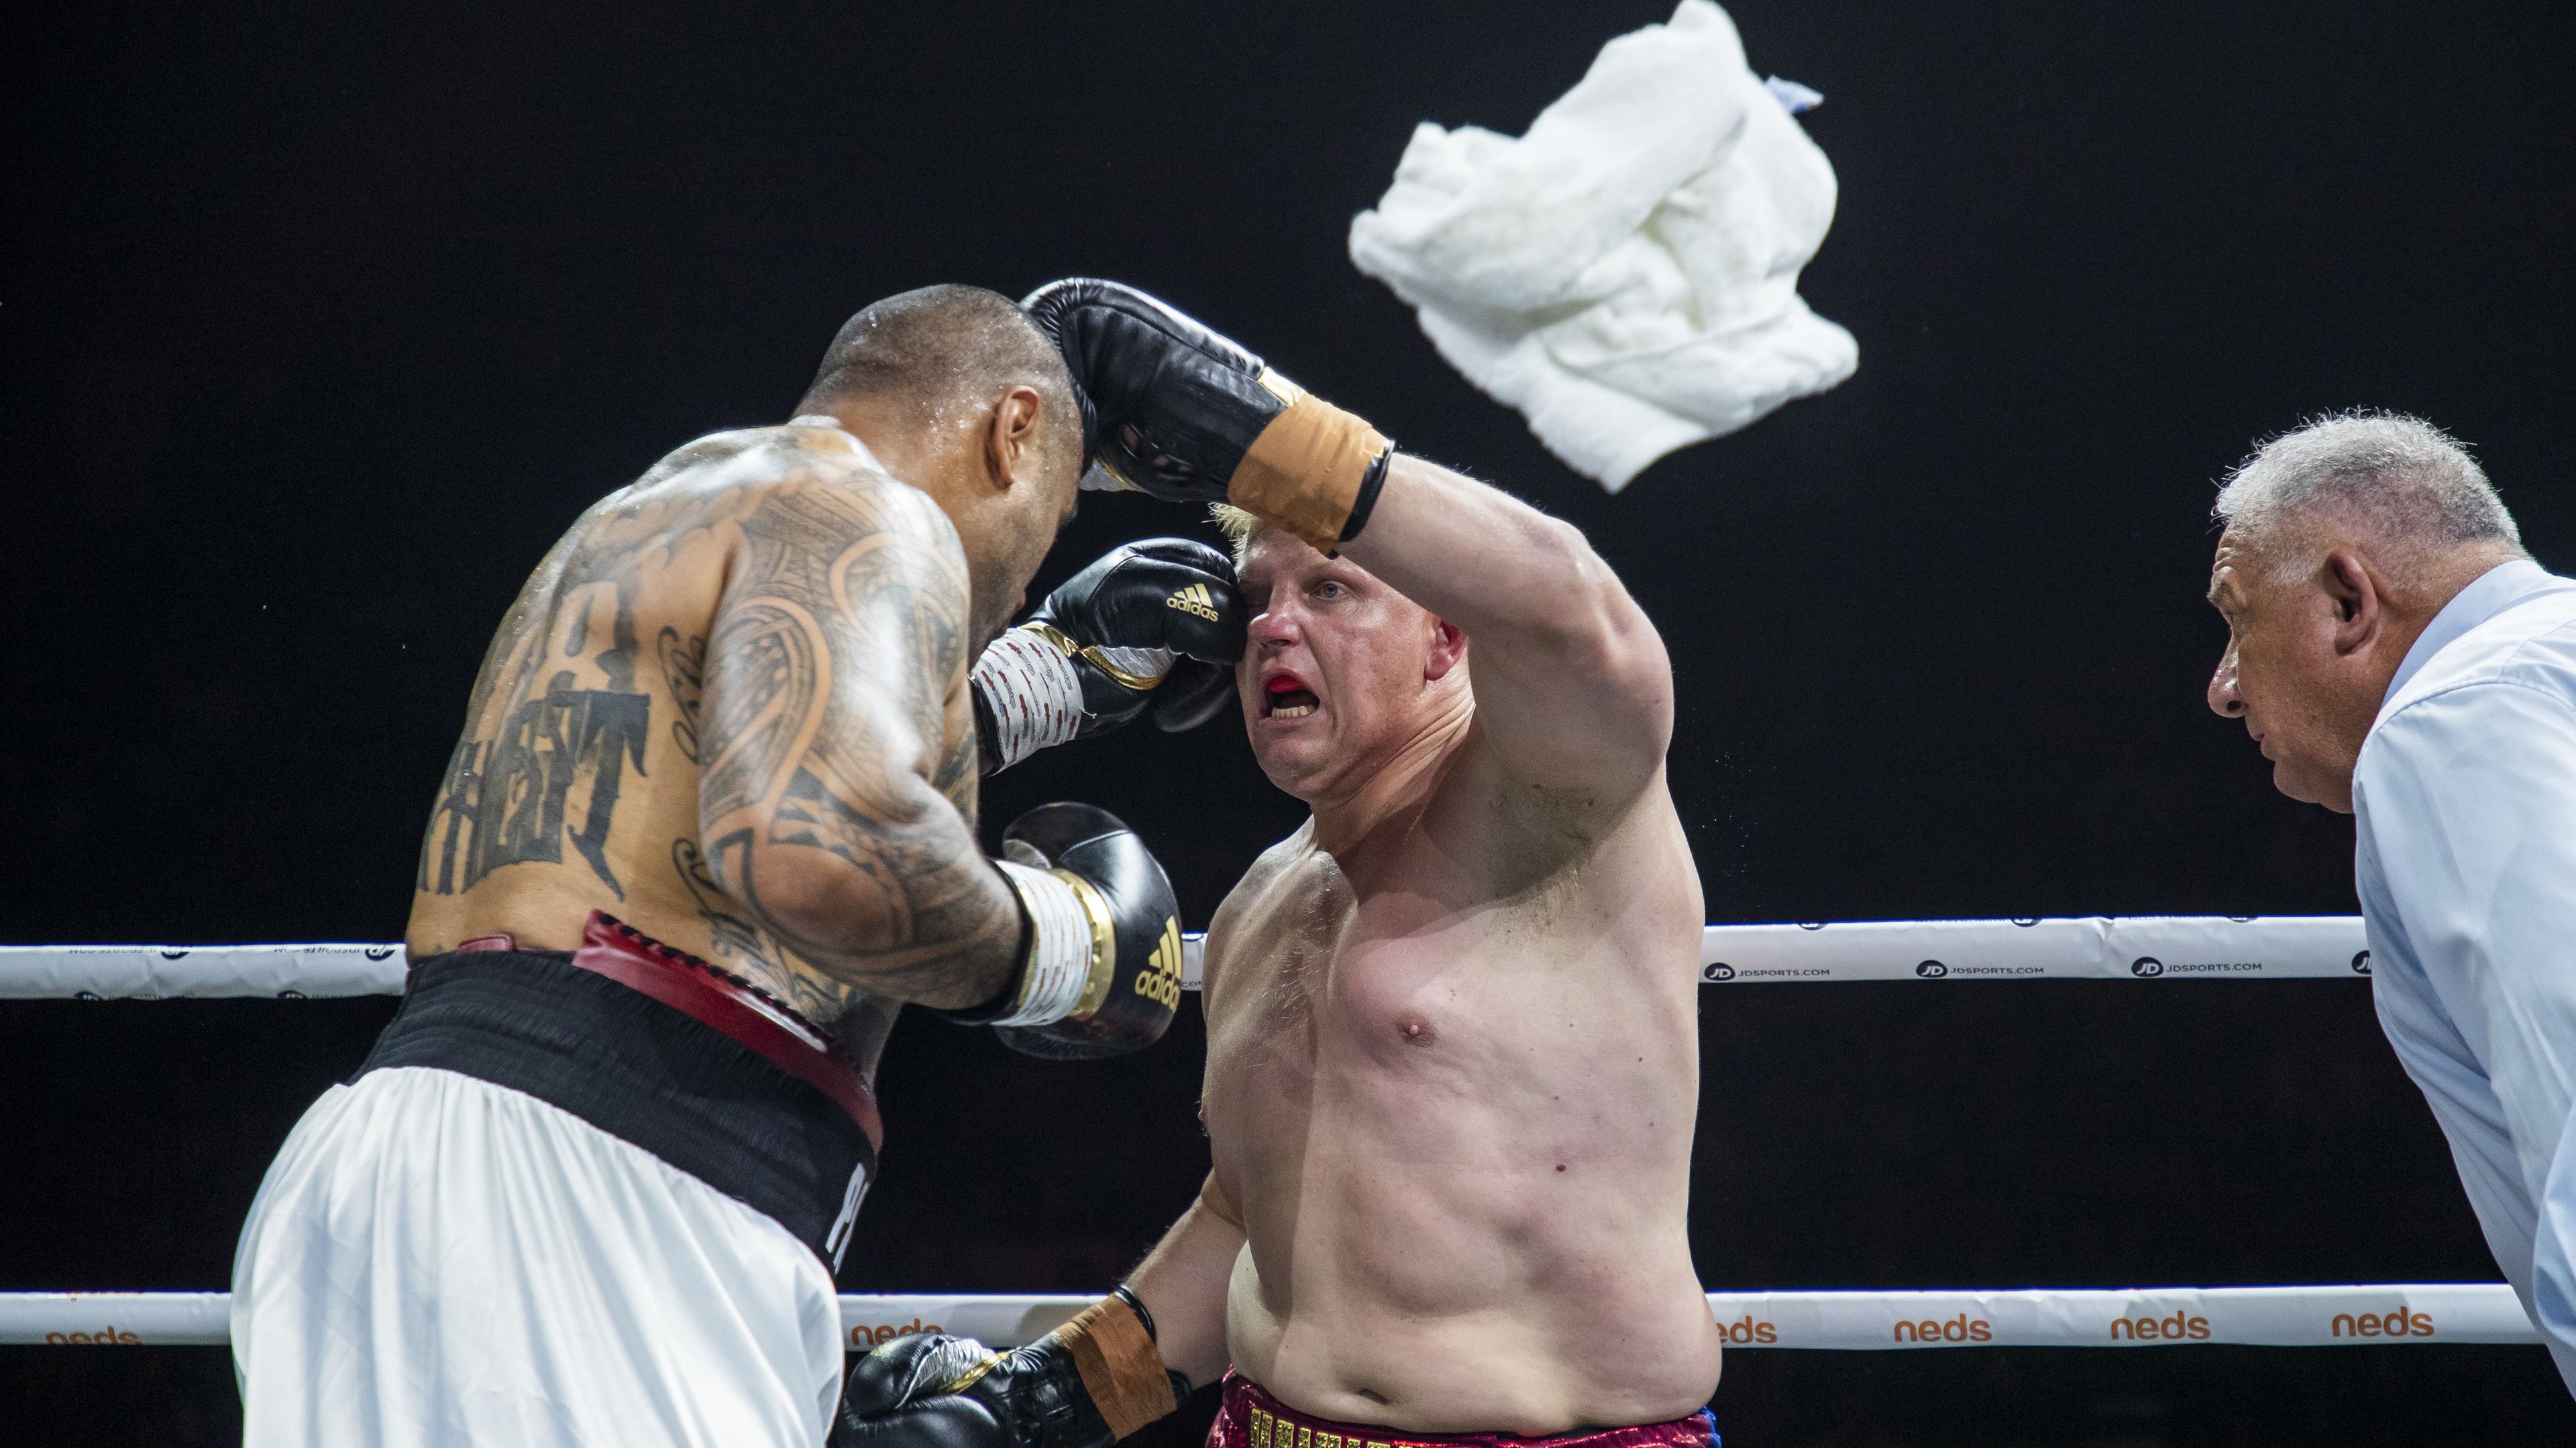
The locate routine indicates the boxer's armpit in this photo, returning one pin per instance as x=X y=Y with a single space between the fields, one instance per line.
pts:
x=824 y=748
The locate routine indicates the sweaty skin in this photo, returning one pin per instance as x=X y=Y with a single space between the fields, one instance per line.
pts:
x=1452 y=1022
x=749 y=663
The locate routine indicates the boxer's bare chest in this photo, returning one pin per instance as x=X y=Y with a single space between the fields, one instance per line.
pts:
x=1353 y=993
x=1452 y=1086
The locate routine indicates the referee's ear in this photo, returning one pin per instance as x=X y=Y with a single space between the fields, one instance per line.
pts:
x=2360 y=604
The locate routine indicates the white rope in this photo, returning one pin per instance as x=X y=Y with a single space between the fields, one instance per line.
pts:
x=2455 y=1312
x=2146 y=947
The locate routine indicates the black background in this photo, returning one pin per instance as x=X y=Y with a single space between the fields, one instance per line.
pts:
x=325 y=319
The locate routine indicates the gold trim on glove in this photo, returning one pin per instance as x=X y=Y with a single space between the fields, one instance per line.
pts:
x=1091 y=654
x=1104 y=946
x=973 y=1375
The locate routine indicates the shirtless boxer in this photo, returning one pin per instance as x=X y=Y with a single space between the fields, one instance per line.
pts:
x=1452 y=1048
x=711 y=821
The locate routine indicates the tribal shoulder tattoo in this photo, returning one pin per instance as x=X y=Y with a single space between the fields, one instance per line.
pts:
x=817 y=707
x=837 y=665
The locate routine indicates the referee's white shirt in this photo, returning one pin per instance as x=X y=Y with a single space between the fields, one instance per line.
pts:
x=2465 y=797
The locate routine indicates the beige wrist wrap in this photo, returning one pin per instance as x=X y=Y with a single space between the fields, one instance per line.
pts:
x=1304 y=471
x=1119 y=1365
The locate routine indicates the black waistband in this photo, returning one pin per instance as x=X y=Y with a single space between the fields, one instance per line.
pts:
x=642 y=1072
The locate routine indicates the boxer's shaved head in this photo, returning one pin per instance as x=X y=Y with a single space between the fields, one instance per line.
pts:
x=940 y=347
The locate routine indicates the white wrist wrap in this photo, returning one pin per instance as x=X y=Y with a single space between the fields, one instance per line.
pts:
x=1059 y=967
x=1033 y=692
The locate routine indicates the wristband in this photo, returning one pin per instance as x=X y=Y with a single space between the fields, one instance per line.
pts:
x=1114 y=1352
x=1370 y=487
x=1306 y=470
x=1073 y=947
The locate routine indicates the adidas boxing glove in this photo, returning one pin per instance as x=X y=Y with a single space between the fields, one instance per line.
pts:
x=1151 y=627
x=1173 y=409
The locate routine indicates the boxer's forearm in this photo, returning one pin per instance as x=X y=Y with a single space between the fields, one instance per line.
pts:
x=837 y=789
x=900 y=903
x=1490 y=563
x=1545 y=617
x=1183 y=1283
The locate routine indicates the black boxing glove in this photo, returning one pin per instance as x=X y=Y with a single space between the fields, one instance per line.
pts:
x=1087 y=1384
x=1173 y=409
x=1152 y=627
x=1102 y=974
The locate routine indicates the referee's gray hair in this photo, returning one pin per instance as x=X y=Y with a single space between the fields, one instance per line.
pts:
x=2398 y=477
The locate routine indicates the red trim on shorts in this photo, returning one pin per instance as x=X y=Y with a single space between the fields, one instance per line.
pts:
x=768 y=1027
x=1248 y=1417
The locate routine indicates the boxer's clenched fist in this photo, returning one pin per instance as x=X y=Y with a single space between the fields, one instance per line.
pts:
x=1103 y=973
x=1085 y=1385
x=1173 y=409
x=1150 y=628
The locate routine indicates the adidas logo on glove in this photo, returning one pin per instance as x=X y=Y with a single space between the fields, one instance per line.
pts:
x=1194 y=599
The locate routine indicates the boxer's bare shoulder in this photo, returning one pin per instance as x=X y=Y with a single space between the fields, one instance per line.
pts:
x=589 y=757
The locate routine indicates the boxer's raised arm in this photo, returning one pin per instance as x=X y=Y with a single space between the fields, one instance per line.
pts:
x=827 y=805
x=1572 y=682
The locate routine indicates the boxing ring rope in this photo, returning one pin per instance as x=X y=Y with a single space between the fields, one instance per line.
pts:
x=2144 y=947
x=2462 y=1312
x=2316 y=947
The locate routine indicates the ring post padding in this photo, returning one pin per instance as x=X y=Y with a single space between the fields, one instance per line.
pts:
x=2354 y=1316
x=2141 y=947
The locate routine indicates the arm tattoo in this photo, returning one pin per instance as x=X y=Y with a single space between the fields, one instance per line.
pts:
x=833 y=673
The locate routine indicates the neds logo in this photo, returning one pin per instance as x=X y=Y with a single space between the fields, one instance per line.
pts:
x=1961 y=1328
x=2400 y=1323
x=2181 y=1327
x=114 y=1337
x=863 y=1337
x=1748 y=1329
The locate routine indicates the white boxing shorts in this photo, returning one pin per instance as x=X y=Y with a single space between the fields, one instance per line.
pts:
x=587 y=1197
x=435 y=1261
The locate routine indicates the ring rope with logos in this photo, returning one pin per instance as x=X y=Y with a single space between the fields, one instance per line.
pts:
x=2351 y=1316
x=2089 y=948
x=2142 y=947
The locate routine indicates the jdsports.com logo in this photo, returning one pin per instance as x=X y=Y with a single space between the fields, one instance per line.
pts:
x=1194 y=599
x=1931 y=970
x=2146 y=967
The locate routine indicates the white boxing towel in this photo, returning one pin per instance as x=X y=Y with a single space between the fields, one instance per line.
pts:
x=1627 y=273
